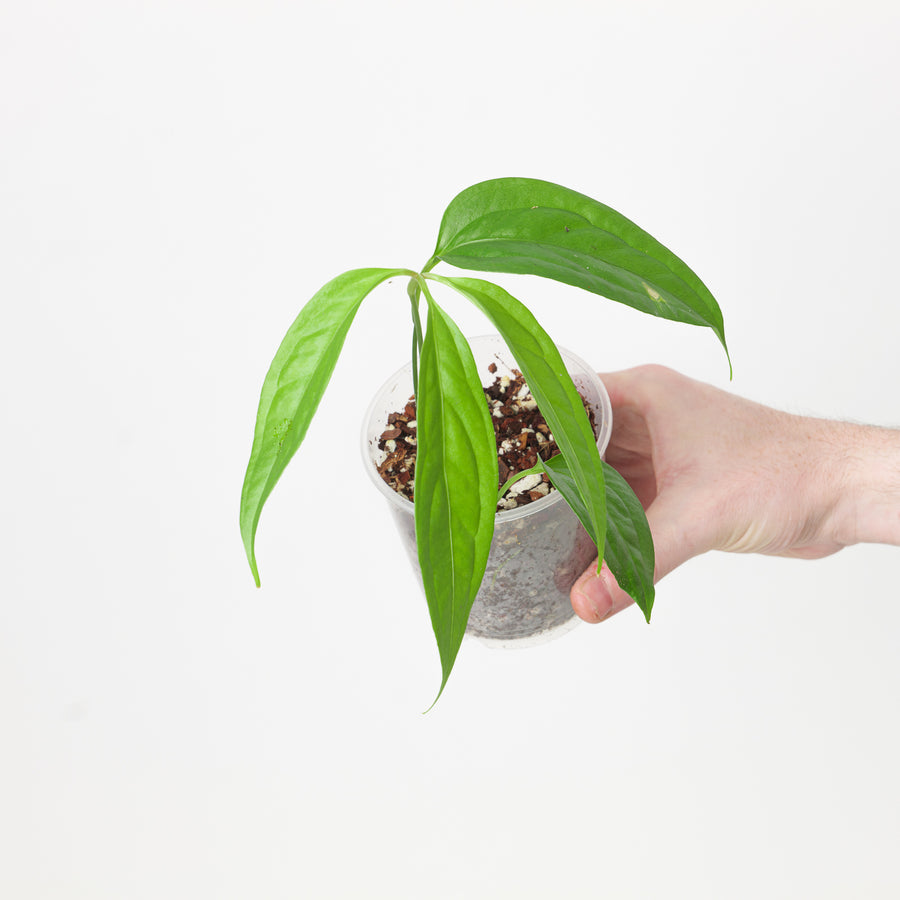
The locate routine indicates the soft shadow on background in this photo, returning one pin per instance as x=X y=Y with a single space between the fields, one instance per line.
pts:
x=176 y=179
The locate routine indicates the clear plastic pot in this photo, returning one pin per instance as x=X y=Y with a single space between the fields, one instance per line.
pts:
x=538 y=550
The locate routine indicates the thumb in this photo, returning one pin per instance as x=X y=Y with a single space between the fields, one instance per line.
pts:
x=596 y=595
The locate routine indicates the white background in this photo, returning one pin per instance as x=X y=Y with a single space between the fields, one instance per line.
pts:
x=176 y=179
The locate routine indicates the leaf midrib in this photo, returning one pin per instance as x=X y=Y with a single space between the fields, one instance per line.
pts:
x=443 y=468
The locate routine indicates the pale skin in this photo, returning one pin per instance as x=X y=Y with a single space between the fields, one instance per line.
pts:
x=716 y=472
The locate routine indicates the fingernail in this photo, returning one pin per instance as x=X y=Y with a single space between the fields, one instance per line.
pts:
x=595 y=589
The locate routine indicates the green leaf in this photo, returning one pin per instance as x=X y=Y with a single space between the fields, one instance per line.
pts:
x=455 y=481
x=552 y=387
x=628 y=550
x=294 y=385
x=526 y=226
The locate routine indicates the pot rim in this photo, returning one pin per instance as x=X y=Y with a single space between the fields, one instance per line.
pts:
x=403 y=504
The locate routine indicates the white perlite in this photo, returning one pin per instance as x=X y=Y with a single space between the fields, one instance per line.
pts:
x=523 y=485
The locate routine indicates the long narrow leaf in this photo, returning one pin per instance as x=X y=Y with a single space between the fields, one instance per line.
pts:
x=456 y=482
x=294 y=385
x=552 y=387
x=527 y=226
x=628 y=550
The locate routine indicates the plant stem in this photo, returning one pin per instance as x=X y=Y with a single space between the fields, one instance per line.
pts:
x=415 y=365
x=537 y=469
x=413 y=290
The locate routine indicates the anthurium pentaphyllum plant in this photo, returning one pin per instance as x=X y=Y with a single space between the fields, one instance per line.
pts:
x=516 y=225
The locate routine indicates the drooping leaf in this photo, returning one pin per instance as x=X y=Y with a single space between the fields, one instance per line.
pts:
x=455 y=481
x=628 y=550
x=546 y=374
x=294 y=385
x=527 y=226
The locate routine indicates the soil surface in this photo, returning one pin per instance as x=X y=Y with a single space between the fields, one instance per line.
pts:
x=522 y=436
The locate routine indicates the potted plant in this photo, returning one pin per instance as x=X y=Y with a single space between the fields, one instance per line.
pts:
x=538 y=547
x=514 y=225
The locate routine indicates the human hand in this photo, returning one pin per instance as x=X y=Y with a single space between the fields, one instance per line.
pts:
x=717 y=472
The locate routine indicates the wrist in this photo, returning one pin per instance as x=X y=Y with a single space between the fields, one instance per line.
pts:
x=867 y=508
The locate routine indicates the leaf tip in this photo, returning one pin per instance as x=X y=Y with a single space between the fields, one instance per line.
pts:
x=438 y=697
x=721 y=336
x=254 y=569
